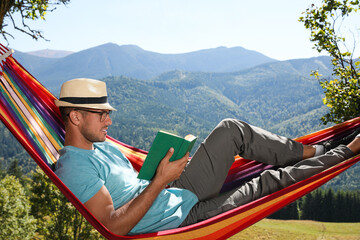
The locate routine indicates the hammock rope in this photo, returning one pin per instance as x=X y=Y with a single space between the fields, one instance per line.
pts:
x=27 y=109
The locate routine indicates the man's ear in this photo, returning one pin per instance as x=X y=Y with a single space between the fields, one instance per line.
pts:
x=75 y=117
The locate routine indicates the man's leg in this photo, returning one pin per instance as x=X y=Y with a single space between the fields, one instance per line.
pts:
x=268 y=182
x=209 y=166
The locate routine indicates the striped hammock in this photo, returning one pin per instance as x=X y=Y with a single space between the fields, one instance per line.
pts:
x=27 y=109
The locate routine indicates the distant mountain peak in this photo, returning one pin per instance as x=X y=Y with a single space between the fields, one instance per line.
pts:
x=49 y=53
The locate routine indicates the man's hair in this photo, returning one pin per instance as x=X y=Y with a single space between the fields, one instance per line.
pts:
x=64 y=111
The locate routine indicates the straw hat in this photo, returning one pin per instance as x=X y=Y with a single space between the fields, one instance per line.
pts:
x=85 y=93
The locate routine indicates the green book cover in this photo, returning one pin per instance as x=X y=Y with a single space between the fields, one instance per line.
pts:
x=161 y=145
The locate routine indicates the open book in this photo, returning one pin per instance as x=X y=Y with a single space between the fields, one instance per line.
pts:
x=161 y=145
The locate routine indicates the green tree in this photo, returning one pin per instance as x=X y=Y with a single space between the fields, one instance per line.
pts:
x=2 y=169
x=307 y=207
x=28 y=10
x=288 y=212
x=57 y=217
x=14 y=169
x=318 y=204
x=15 y=220
x=329 y=206
x=339 y=206
x=342 y=93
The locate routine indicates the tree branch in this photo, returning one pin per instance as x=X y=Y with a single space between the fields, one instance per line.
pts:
x=28 y=9
x=35 y=34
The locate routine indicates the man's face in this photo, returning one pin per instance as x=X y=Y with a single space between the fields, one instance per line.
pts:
x=95 y=124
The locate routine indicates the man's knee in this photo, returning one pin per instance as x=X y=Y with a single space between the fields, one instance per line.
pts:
x=229 y=127
x=231 y=123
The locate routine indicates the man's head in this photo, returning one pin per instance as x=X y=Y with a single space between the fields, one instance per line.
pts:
x=84 y=107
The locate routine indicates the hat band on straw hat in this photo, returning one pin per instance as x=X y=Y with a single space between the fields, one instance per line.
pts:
x=84 y=100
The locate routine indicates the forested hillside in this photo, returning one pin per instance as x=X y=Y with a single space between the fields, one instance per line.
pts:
x=185 y=102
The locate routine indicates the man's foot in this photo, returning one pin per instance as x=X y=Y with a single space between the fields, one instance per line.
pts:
x=330 y=144
x=354 y=146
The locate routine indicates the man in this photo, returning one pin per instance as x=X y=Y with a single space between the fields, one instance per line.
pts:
x=104 y=180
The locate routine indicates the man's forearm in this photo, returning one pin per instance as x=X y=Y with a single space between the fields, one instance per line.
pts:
x=132 y=212
x=127 y=216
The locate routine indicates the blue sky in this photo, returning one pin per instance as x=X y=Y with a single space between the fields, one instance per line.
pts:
x=176 y=26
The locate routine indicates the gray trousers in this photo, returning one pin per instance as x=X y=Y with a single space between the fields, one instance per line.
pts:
x=208 y=168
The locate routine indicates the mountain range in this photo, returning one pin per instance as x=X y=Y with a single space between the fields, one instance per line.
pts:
x=207 y=85
x=191 y=92
x=241 y=82
x=132 y=61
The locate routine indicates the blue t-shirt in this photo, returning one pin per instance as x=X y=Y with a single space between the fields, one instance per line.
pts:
x=84 y=172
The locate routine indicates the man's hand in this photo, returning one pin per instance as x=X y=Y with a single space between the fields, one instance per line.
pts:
x=169 y=171
x=123 y=219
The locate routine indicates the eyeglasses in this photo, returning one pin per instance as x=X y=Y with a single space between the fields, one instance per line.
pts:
x=103 y=114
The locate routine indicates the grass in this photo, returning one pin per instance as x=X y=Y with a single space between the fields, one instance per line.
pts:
x=300 y=230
